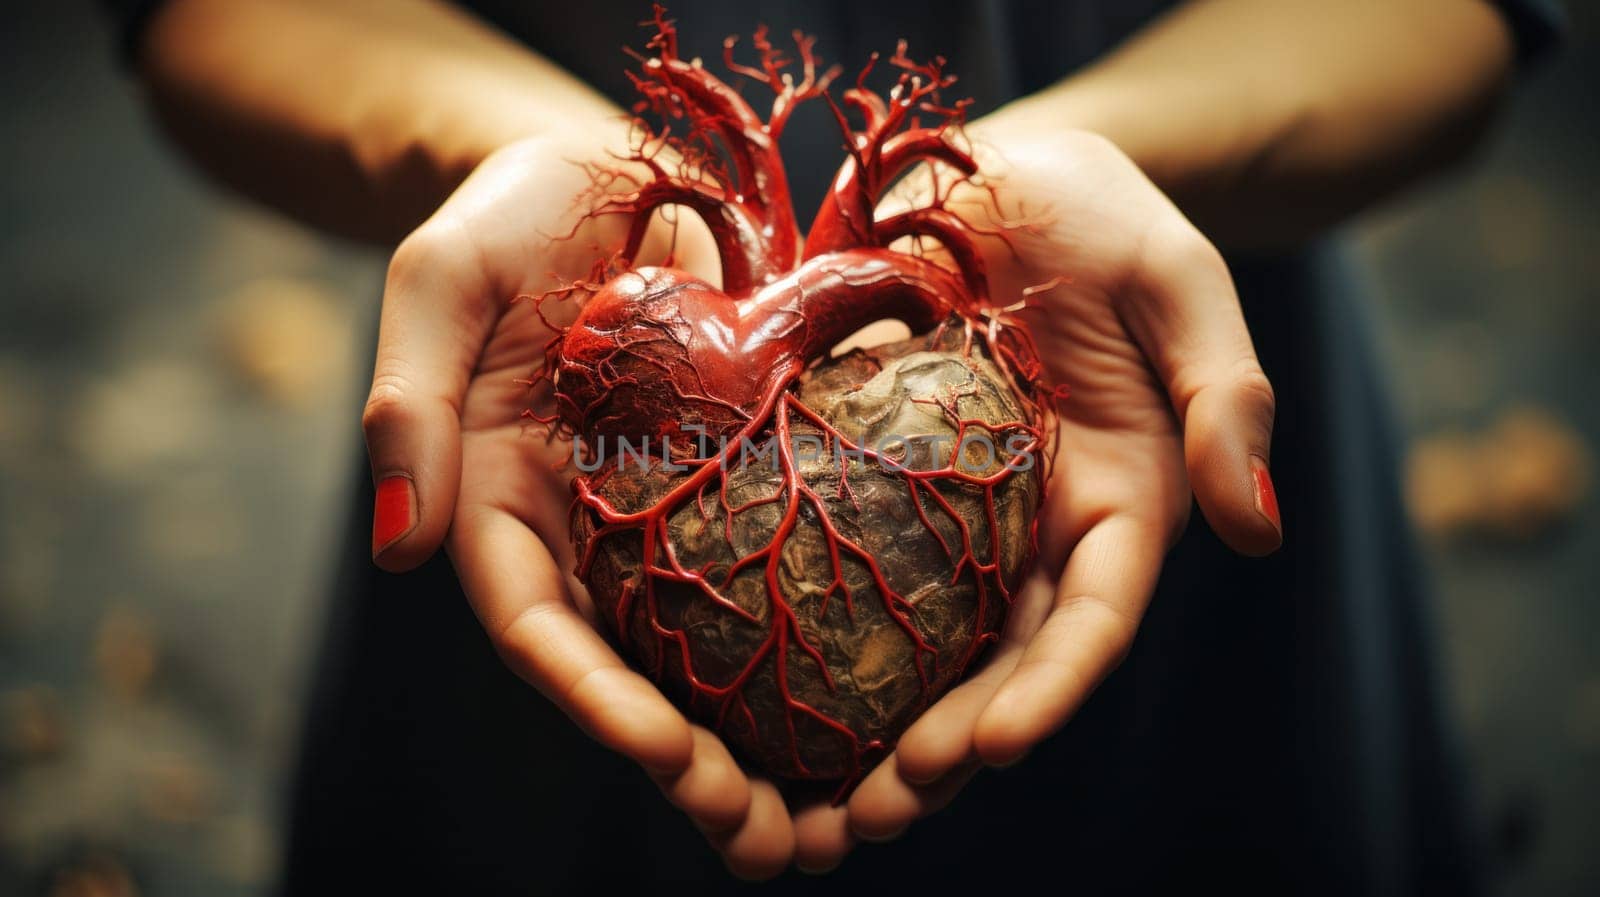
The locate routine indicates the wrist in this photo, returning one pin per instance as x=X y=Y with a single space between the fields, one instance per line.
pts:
x=1083 y=105
x=459 y=119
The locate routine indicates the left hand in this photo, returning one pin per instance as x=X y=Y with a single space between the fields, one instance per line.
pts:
x=1167 y=399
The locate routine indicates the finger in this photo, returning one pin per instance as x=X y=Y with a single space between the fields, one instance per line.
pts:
x=434 y=323
x=1101 y=597
x=885 y=804
x=520 y=597
x=764 y=845
x=713 y=789
x=1226 y=434
x=1187 y=318
x=822 y=837
x=941 y=739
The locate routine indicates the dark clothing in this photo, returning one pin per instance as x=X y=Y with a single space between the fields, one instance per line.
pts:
x=1276 y=728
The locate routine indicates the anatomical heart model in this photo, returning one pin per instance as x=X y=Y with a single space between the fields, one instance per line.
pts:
x=803 y=551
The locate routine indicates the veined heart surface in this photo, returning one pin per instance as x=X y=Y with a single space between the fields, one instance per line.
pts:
x=803 y=551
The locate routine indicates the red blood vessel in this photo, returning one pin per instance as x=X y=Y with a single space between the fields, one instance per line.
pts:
x=810 y=606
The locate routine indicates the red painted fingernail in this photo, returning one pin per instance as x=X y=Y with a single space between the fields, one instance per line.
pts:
x=1266 y=495
x=393 y=513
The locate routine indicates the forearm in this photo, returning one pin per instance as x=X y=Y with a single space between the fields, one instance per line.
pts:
x=357 y=116
x=1267 y=120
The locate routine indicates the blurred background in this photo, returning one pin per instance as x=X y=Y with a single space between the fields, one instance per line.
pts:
x=174 y=467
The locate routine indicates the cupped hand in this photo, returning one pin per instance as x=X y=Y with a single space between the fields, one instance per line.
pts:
x=459 y=466
x=1143 y=325
x=1167 y=399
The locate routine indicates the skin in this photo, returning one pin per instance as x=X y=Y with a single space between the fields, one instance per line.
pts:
x=430 y=129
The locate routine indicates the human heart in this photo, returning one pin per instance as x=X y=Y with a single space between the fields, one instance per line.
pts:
x=803 y=551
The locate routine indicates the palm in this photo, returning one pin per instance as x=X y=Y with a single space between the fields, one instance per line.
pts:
x=517 y=218
x=1120 y=446
x=505 y=218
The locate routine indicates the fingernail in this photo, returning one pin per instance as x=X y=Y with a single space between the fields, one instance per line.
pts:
x=393 y=513
x=1012 y=762
x=1266 y=495
x=816 y=868
x=880 y=838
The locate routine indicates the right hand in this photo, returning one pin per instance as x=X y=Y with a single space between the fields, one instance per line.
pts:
x=445 y=431
x=1169 y=408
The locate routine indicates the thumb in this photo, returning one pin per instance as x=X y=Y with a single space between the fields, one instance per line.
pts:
x=433 y=326
x=1187 y=318
x=1227 y=436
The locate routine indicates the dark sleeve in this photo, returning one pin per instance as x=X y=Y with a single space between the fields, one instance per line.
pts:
x=1536 y=26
